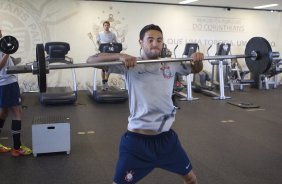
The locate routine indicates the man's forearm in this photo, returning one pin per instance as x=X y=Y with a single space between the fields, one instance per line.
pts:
x=4 y=60
x=101 y=57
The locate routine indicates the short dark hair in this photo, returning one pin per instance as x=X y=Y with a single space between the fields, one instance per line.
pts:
x=106 y=22
x=148 y=28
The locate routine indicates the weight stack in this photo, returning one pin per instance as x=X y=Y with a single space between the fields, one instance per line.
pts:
x=50 y=134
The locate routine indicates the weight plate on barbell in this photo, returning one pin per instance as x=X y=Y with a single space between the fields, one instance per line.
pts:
x=264 y=60
x=9 y=44
x=41 y=64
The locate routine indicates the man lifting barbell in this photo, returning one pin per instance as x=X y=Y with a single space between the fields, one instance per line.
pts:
x=10 y=100
x=152 y=112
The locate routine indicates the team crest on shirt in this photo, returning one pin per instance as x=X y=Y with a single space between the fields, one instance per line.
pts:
x=166 y=72
x=129 y=176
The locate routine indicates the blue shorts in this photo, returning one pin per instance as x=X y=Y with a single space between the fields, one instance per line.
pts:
x=140 y=154
x=10 y=95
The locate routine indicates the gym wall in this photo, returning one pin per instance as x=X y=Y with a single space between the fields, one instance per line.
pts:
x=41 y=21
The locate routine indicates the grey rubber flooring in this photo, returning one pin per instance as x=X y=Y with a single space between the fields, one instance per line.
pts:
x=226 y=144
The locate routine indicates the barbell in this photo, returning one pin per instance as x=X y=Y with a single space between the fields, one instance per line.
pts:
x=258 y=56
x=9 y=44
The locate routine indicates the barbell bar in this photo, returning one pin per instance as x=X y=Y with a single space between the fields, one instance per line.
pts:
x=258 y=56
x=34 y=68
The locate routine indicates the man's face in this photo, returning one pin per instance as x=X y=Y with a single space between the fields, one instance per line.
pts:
x=106 y=27
x=152 y=44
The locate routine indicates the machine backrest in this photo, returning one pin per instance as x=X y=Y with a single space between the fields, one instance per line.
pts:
x=57 y=50
x=223 y=49
x=190 y=48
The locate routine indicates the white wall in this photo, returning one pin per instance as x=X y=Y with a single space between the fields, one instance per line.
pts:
x=40 y=21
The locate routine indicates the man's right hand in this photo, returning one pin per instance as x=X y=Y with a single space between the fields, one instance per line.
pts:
x=128 y=60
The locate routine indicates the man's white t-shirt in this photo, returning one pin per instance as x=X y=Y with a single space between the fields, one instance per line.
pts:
x=106 y=37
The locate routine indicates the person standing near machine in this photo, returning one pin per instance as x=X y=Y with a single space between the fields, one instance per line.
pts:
x=10 y=101
x=105 y=36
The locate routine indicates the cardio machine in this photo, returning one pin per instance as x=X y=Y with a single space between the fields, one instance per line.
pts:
x=113 y=94
x=56 y=54
x=218 y=70
x=189 y=49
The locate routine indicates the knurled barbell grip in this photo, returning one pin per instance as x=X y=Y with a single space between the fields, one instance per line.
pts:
x=19 y=69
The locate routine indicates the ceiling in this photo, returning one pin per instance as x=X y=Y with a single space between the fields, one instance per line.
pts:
x=242 y=4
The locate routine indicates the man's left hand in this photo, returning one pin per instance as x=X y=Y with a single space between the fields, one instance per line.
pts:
x=196 y=63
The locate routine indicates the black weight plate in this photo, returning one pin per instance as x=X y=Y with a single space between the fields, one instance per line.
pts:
x=9 y=44
x=41 y=64
x=264 y=60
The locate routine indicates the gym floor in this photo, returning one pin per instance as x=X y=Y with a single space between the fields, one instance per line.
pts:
x=226 y=144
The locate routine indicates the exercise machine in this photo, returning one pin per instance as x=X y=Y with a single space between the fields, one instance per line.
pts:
x=56 y=53
x=189 y=49
x=237 y=76
x=271 y=76
x=113 y=94
x=219 y=71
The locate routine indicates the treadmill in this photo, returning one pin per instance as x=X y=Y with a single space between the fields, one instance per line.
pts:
x=113 y=94
x=56 y=53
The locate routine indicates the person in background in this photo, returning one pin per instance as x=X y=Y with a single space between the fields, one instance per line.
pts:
x=10 y=101
x=149 y=141
x=105 y=36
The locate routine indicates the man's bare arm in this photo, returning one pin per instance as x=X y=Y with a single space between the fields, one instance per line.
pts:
x=128 y=60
